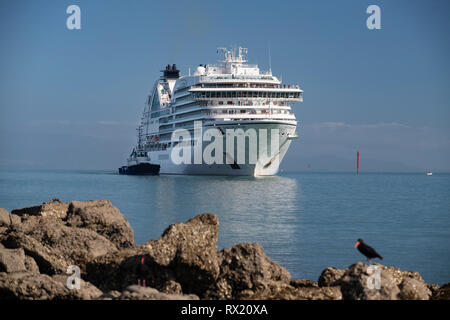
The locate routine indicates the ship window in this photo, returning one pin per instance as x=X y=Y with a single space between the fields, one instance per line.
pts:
x=220 y=102
x=234 y=94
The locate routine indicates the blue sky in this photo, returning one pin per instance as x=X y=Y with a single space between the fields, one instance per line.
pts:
x=71 y=99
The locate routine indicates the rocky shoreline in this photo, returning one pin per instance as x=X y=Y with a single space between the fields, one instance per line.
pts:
x=38 y=244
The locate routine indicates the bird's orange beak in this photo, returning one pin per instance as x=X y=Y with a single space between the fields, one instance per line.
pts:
x=357 y=244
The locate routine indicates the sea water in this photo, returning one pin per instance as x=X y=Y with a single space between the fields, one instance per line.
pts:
x=304 y=221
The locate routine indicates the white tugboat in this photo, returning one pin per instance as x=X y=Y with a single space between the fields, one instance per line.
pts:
x=229 y=96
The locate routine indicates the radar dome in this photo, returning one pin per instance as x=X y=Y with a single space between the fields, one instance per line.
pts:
x=200 y=71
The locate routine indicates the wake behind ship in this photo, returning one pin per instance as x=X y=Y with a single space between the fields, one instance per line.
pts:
x=229 y=97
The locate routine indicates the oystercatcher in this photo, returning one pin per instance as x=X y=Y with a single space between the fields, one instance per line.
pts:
x=142 y=271
x=367 y=250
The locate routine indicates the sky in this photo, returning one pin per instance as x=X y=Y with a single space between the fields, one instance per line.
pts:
x=71 y=99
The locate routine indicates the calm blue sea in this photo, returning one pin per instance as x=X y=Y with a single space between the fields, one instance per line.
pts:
x=304 y=221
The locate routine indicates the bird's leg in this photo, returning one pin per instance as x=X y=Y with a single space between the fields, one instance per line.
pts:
x=139 y=283
x=143 y=283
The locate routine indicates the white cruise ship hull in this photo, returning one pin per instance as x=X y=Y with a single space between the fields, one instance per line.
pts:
x=267 y=161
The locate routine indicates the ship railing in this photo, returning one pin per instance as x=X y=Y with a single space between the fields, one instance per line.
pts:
x=213 y=78
x=245 y=85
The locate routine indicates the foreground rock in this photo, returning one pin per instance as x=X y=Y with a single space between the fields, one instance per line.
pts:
x=57 y=235
x=190 y=251
x=185 y=256
x=376 y=282
x=55 y=246
x=245 y=270
x=442 y=293
x=53 y=208
x=103 y=218
x=29 y=286
x=139 y=293
x=39 y=243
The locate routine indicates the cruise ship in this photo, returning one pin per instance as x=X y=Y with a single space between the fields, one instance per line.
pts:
x=231 y=100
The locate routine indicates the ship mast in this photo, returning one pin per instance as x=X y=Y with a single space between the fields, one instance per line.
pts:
x=140 y=130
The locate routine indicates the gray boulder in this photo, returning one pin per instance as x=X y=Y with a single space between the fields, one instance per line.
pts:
x=53 y=208
x=12 y=260
x=303 y=283
x=5 y=219
x=172 y=287
x=185 y=254
x=190 y=250
x=87 y=291
x=103 y=218
x=245 y=267
x=330 y=277
x=27 y=286
x=412 y=289
x=297 y=290
x=359 y=283
x=401 y=275
x=134 y=292
x=55 y=246
x=443 y=293
x=31 y=265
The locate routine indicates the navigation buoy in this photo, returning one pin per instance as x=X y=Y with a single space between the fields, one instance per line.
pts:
x=357 y=163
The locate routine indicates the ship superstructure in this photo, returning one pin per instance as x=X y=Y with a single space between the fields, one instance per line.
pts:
x=228 y=96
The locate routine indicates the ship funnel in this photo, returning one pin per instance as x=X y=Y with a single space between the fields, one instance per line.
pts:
x=171 y=72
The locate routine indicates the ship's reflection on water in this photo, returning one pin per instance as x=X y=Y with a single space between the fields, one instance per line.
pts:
x=250 y=209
